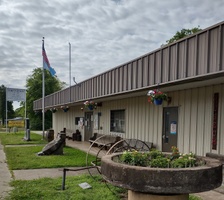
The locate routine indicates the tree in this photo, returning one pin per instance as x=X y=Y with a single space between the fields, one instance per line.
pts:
x=34 y=92
x=183 y=33
x=11 y=113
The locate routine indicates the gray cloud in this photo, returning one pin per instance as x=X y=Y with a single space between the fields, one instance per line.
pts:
x=103 y=33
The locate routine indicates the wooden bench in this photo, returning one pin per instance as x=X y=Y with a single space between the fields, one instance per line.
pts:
x=68 y=133
x=102 y=140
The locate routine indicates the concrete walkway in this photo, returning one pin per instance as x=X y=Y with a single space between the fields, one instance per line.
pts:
x=6 y=177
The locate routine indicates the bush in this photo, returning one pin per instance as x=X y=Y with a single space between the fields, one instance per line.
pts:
x=156 y=158
x=135 y=158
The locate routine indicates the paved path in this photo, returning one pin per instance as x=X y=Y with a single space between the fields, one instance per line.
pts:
x=5 y=176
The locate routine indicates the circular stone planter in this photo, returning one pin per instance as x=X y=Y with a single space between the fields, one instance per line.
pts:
x=163 y=181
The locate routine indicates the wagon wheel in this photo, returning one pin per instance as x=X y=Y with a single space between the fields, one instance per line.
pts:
x=120 y=146
x=98 y=151
x=125 y=145
x=128 y=144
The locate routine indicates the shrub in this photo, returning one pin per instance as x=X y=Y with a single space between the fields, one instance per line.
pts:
x=156 y=158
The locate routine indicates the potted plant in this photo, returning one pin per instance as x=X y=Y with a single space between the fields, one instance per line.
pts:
x=65 y=108
x=156 y=96
x=53 y=110
x=158 y=175
x=90 y=105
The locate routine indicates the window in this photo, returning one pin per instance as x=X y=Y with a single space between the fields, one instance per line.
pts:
x=117 y=121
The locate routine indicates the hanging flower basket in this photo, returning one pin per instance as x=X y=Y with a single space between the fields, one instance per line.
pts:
x=53 y=110
x=90 y=105
x=65 y=109
x=157 y=97
x=158 y=101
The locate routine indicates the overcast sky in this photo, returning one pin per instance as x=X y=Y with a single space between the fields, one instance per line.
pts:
x=103 y=33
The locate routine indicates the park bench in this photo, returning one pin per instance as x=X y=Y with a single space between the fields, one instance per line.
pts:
x=219 y=157
x=69 y=133
x=103 y=140
x=72 y=135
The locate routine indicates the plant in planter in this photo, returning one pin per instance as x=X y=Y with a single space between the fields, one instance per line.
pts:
x=156 y=96
x=90 y=105
x=156 y=159
x=157 y=175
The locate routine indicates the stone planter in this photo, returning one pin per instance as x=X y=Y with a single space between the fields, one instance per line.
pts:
x=157 y=182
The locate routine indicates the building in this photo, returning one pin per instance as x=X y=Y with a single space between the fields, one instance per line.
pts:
x=190 y=71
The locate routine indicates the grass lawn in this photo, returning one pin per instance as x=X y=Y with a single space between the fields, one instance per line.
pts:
x=48 y=189
x=25 y=157
x=17 y=139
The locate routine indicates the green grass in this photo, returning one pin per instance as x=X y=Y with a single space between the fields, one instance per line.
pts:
x=25 y=157
x=192 y=197
x=17 y=138
x=48 y=189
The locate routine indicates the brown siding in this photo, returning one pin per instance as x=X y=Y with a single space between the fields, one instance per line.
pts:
x=191 y=57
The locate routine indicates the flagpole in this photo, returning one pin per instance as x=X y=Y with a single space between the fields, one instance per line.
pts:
x=69 y=71
x=43 y=91
x=6 y=110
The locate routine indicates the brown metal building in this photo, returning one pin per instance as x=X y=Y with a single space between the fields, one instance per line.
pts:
x=190 y=71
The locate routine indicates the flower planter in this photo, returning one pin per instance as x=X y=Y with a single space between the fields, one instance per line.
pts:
x=90 y=107
x=157 y=182
x=158 y=101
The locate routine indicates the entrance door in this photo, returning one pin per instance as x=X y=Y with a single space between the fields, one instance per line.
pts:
x=88 y=125
x=170 y=128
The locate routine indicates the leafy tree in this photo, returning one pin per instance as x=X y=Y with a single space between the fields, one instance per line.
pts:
x=34 y=92
x=11 y=113
x=183 y=33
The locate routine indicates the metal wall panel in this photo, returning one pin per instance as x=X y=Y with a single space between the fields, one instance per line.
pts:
x=145 y=71
x=182 y=55
x=151 y=74
x=158 y=60
x=202 y=53
x=214 y=44
x=125 y=78
x=120 y=79
x=173 y=62
x=130 y=74
x=134 y=74
x=191 y=59
x=166 y=65
x=139 y=73
x=221 y=52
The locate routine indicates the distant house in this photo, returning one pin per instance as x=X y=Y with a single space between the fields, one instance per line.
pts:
x=190 y=71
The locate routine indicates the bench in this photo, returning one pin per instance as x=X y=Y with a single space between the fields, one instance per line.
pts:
x=69 y=133
x=102 y=140
x=219 y=157
x=72 y=135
